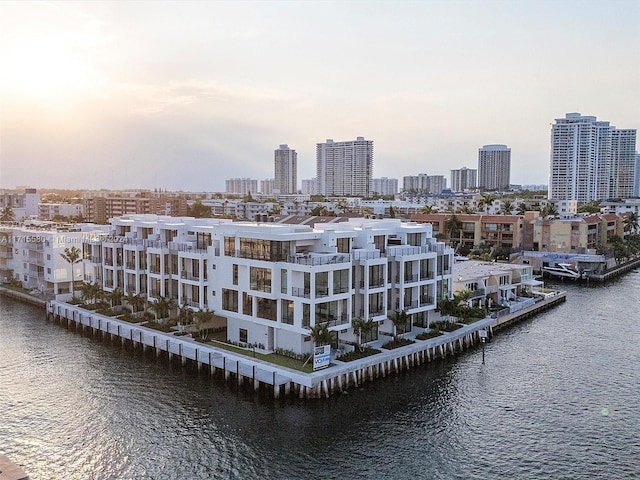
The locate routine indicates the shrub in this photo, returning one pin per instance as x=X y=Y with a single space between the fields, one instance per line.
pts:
x=355 y=355
x=430 y=334
x=397 y=343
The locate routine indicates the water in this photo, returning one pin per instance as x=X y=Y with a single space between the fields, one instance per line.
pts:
x=558 y=397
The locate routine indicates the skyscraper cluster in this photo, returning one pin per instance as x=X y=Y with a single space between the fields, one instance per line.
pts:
x=591 y=160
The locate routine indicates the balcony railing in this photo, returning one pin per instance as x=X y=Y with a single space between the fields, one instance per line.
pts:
x=339 y=320
x=300 y=292
x=367 y=254
x=410 y=278
x=319 y=259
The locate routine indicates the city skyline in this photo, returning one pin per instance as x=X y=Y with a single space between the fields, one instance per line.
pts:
x=157 y=95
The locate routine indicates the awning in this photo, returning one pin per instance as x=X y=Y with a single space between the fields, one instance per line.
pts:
x=533 y=283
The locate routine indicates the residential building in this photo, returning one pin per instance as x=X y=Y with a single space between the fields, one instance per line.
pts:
x=266 y=186
x=590 y=160
x=241 y=186
x=271 y=283
x=309 y=186
x=384 y=186
x=286 y=170
x=100 y=209
x=576 y=235
x=464 y=179
x=424 y=184
x=24 y=204
x=344 y=168
x=494 y=167
x=49 y=211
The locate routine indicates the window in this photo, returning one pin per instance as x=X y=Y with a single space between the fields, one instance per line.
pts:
x=243 y=335
x=306 y=315
x=343 y=245
x=235 y=274
x=260 y=279
x=283 y=281
x=230 y=246
x=340 y=281
x=267 y=308
x=287 y=311
x=322 y=284
x=247 y=304
x=229 y=300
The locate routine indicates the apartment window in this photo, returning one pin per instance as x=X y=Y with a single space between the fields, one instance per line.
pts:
x=322 y=284
x=247 y=304
x=287 y=311
x=343 y=245
x=243 y=335
x=260 y=279
x=267 y=308
x=376 y=304
x=203 y=240
x=229 y=300
x=378 y=242
x=376 y=276
x=413 y=239
x=235 y=274
x=230 y=246
x=306 y=315
x=283 y=281
x=340 y=281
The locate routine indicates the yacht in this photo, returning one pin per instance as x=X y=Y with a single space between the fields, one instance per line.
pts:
x=563 y=270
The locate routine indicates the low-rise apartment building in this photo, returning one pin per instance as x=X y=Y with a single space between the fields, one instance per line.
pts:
x=274 y=282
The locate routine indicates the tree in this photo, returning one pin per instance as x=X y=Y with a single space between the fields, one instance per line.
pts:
x=631 y=222
x=115 y=297
x=522 y=209
x=198 y=210
x=400 y=320
x=136 y=301
x=320 y=211
x=162 y=306
x=485 y=202
x=549 y=210
x=72 y=255
x=453 y=226
x=507 y=207
x=360 y=327
x=428 y=209
x=320 y=334
x=366 y=212
x=90 y=292
x=7 y=215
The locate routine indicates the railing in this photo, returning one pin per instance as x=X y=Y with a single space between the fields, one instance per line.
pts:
x=154 y=269
x=410 y=278
x=131 y=265
x=479 y=292
x=300 y=292
x=186 y=248
x=155 y=244
x=367 y=254
x=308 y=259
x=403 y=250
x=339 y=320
x=322 y=292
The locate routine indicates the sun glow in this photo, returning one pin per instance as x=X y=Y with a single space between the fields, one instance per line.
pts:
x=46 y=73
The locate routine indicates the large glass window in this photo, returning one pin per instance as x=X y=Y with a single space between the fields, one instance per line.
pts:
x=260 y=279
x=343 y=245
x=322 y=284
x=234 y=269
x=247 y=304
x=203 y=240
x=268 y=250
x=376 y=276
x=306 y=315
x=230 y=246
x=340 y=281
x=283 y=281
x=287 y=311
x=229 y=300
x=267 y=308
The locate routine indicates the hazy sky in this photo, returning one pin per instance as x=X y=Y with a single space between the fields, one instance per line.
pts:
x=182 y=95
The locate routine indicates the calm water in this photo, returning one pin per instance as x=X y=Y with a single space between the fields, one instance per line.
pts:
x=558 y=397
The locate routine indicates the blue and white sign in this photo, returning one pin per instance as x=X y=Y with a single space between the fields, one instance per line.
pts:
x=321 y=357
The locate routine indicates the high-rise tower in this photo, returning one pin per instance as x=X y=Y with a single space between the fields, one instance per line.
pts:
x=286 y=170
x=494 y=167
x=344 y=168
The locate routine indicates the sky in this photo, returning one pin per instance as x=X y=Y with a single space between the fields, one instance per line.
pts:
x=183 y=95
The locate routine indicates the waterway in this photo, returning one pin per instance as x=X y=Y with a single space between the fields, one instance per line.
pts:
x=557 y=397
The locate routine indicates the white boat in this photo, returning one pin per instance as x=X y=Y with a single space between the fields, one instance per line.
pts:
x=563 y=270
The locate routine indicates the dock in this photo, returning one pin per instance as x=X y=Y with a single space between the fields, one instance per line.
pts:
x=281 y=381
x=11 y=471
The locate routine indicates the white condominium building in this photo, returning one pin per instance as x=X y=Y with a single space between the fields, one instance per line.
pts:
x=274 y=282
x=286 y=170
x=590 y=160
x=344 y=168
x=464 y=179
x=494 y=167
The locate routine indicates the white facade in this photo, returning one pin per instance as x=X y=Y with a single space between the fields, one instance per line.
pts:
x=494 y=167
x=266 y=186
x=590 y=160
x=273 y=282
x=241 y=186
x=344 y=168
x=286 y=170
x=384 y=186
x=47 y=211
x=464 y=179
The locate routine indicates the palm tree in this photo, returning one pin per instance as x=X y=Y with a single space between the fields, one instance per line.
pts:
x=115 y=297
x=507 y=207
x=366 y=212
x=136 y=301
x=185 y=315
x=91 y=292
x=428 y=209
x=631 y=222
x=485 y=202
x=72 y=255
x=320 y=334
x=162 y=306
x=453 y=226
x=7 y=215
x=522 y=209
x=399 y=319
x=358 y=325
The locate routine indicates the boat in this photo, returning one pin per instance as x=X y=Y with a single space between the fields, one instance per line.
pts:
x=563 y=270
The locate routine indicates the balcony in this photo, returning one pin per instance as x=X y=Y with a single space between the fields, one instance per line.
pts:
x=361 y=255
x=300 y=292
x=405 y=250
x=334 y=321
x=318 y=259
x=410 y=278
